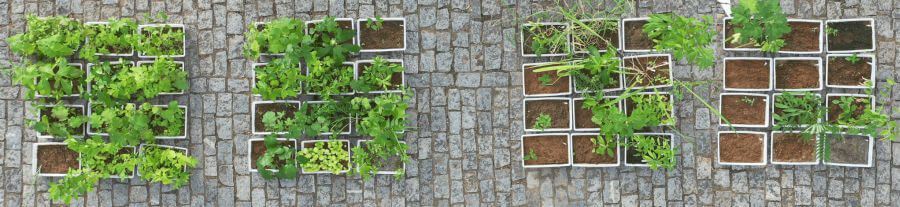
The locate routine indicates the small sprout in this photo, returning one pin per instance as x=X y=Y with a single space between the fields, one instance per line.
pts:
x=853 y=59
x=748 y=100
x=375 y=24
x=530 y=155
x=546 y=80
x=543 y=122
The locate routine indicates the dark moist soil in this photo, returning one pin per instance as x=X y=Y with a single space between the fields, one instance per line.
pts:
x=585 y=38
x=581 y=84
x=174 y=46
x=533 y=84
x=386 y=163
x=56 y=159
x=629 y=105
x=548 y=30
x=550 y=149
x=396 y=78
x=850 y=36
x=258 y=149
x=834 y=110
x=261 y=109
x=583 y=151
x=796 y=74
x=344 y=145
x=852 y=149
x=160 y=130
x=558 y=110
x=790 y=147
x=747 y=74
x=388 y=37
x=635 y=38
x=79 y=131
x=804 y=37
x=632 y=156
x=845 y=73
x=741 y=148
x=583 y=117
x=739 y=112
x=649 y=72
x=729 y=31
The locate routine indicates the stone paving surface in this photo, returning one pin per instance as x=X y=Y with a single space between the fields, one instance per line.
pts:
x=467 y=80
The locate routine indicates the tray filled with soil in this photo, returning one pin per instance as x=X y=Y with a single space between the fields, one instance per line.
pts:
x=744 y=110
x=343 y=23
x=633 y=36
x=550 y=38
x=398 y=79
x=581 y=117
x=811 y=104
x=605 y=35
x=345 y=144
x=805 y=37
x=260 y=108
x=391 y=36
x=798 y=73
x=849 y=71
x=850 y=35
x=392 y=165
x=557 y=109
x=584 y=154
x=634 y=158
x=728 y=32
x=76 y=92
x=742 y=148
x=595 y=77
x=850 y=150
x=648 y=71
x=546 y=150
x=860 y=104
x=54 y=159
x=748 y=74
x=631 y=104
x=74 y=110
x=257 y=148
x=794 y=148
x=546 y=83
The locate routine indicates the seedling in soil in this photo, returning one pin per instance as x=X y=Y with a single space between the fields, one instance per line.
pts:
x=543 y=122
x=531 y=155
x=656 y=151
x=546 y=80
x=831 y=31
x=748 y=100
x=604 y=145
x=685 y=37
x=853 y=59
x=761 y=23
x=375 y=24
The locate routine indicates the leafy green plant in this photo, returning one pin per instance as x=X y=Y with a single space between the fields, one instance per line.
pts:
x=48 y=37
x=831 y=31
x=114 y=37
x=375 y=24
x=760 y=23
x=377 y=76
x=278 y=36
x=748 y=100
x=604 y=145
x=165 y=165
x=328 y=77
x=542 y=122
x=160 y=40
x=656 y=151
x=123 y=124
x=124 y=81
x=530 y=155
x=686 y=37
x=279 y=157
x=853 y=59
x=325 y=158
x=168 y=121
x=798 y=109
x=381 y=118
x=61 y=122
x=547 y=38
x=277 y=80
x=76 y=183
x=103 y=157
x=55 y=79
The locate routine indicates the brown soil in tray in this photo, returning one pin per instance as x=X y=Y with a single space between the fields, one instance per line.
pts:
x=344 y=145
x=850 y=36
x=582 y=38
x=804 y=37
x=583 y=117
x=739 y=112
x=583 y=151
x=56 y=159
x=835 y=110
x=747 y=74
x=845 y=73
x=632 y=156
x=258 y=149
x=261 y=109
x=558 y=110
x=74 y=111
x=393 y=160
x=790 y=147
x=852 y=149
x=547 y=30
x=160 y=130
x=741 y=148
x=654 y=74
x=796 y=74
x=533 y=84
x=635 y=38
x=396 y=78
x=549 y=149
x=390 y=36
x=729 y=31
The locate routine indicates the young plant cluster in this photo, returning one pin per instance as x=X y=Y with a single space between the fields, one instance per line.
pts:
x=324 y=50
x=759 y=23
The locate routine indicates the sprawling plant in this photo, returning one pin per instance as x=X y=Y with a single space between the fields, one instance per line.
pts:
x=687 y=38
x=101 y=160
x=165 y=165
x=279 y=157
x=123 y=81
x=278 y=80
x=328 y=77
x=55 y=78
x=798 y=109
x=168 y=121
x=656 y=151
x=115 y=37
x=384 y=116
x=325 y=156
x=76 y=183
x=61 y=122
x=759 y=23
x=547 y=38
x=377 y=76
x=48 y=37
x=123 y=124
x=160 y=40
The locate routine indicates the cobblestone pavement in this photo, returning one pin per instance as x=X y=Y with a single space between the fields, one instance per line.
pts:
x=467 y=80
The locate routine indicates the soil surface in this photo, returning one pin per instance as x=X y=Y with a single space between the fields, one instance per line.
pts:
x=850 y=36
x=258 y=149
x=747 y=74
x=74 y=111
x=635 y=38
x=608 y=32
x=845 y=73
x=533 y=84
x=345 y=146
x=261 y=109
x=396 y=78
x=796 y=74
x=583 y=151
x=741 y=148
x=56 y=159
x=390 y=36
x=790 y=147
x=160 y=130
x=729 y=31
x=737 y=111
x=632 y=156
x=804 y=37
x=343 y=24
x=558 y=110
x=389 y=164
x=550 y=149
x=652 y=71
x=583 y=117
x=852 y=149
x=835 y=110
x=548 y=31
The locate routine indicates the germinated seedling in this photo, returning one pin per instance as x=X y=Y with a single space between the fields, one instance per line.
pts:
x=831 y=31
x=543 y=122
x=375 y=24
x=530 y=155
x=748 y=100
x=853 y=59
x=761 y=23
